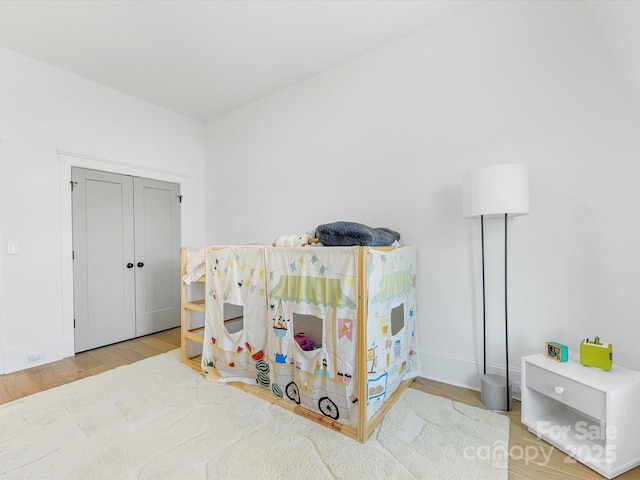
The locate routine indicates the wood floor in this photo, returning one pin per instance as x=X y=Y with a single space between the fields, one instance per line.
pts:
x=528 y=459
x=26 y=382
x=528 y=453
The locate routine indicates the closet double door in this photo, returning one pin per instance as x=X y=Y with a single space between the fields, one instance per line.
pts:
x=126 y=257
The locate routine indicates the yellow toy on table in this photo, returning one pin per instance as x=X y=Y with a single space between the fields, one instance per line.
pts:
x=596 y=354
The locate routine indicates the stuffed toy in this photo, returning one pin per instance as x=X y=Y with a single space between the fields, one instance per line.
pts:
x=301 y=240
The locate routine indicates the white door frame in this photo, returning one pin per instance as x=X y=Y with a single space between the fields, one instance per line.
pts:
x=2 y=327
x=68 y=160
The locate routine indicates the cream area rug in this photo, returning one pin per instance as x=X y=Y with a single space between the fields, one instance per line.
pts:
x=160 y=419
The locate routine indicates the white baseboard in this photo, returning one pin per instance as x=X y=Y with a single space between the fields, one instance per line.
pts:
x=463 y=372
x=458 y=371
x=33 y=355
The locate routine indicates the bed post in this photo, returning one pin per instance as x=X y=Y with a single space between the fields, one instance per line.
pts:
x=362 y=344
x=184 y=356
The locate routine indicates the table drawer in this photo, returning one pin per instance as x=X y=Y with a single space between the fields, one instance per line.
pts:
x=577 y=395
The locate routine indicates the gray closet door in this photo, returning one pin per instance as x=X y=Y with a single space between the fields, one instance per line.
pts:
x=103 y=242
x=157 y=246
x=126 y=236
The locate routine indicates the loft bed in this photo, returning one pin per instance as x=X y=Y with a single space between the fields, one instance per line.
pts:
x=326 y=332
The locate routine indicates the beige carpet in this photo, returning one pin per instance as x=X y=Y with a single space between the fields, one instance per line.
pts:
x=160 y=419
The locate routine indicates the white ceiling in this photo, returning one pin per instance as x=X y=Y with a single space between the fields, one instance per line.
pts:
x=205 y=58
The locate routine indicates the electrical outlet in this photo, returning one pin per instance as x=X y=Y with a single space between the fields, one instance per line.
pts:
x=516 y=390
x=12 y=247
x=35 y=356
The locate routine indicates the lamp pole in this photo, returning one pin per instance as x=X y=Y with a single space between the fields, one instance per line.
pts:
x=506 y=322
x=484 y=303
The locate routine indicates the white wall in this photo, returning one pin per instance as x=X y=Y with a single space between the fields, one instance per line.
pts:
x=44 y=111
x=384 y=140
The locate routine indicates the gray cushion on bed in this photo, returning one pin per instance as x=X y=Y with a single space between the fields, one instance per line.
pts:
x=351 y=233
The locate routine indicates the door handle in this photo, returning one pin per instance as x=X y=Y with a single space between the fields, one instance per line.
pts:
x=140 y=264
x=129 y=265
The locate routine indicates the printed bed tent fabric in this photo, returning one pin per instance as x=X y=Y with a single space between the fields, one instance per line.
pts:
x=392 y=348
x=235 y=276
x=312 y=290
x=318 y=283
x=313 y=293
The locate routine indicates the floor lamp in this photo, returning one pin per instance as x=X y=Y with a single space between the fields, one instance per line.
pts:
x=495 y=191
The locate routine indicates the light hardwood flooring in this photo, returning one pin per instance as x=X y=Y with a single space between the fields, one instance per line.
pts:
x=523 y=446
x=26 y=382
x=558 y=467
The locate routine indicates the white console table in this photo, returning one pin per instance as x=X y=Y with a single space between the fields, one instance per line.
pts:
x=590 y=414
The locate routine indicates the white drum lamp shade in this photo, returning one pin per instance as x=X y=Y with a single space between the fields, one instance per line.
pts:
x=496 y=190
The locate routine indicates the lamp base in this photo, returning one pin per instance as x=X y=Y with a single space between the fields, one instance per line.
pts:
x=493 y=392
